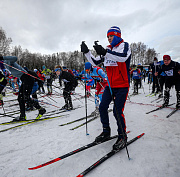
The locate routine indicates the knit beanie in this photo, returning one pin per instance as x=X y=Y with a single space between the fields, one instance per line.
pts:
x=115 y=31
x=166 y=57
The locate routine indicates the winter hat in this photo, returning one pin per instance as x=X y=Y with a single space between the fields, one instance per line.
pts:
x=166 y=57
x=87 y=65
x=64 y=67
x=115 y=31
x=155 y=59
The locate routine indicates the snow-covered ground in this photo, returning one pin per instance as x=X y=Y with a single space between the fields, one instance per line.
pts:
x=156 y=154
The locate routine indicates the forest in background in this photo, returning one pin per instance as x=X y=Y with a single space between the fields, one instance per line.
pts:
x=141 y=54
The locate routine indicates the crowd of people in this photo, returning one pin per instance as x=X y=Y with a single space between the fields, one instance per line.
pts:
x=112 y=81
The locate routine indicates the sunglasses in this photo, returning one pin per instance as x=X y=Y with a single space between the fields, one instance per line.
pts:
x=57 y=69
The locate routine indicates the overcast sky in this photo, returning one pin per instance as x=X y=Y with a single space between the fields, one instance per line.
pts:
x=61 y=25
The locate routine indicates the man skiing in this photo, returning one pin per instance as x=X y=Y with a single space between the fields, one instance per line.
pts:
x=155 y=68
x=28 y=78
x=136 y=77
x=70 y=83
x=172 y=71
x=98 y=74
x=116 y=58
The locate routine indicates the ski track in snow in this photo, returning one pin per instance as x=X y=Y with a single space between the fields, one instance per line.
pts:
x=156 y=154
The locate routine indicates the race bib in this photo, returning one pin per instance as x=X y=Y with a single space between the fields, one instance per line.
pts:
x=169 y=73
x=109 y=62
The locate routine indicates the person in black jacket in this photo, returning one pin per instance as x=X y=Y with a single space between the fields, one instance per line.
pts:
x=70 y=83
x=28 y=79
x=172 y=71
x=155 y=68
x=3 y=83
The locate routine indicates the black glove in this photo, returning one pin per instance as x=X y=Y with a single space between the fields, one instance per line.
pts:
x=100 y=50
x=84 y=48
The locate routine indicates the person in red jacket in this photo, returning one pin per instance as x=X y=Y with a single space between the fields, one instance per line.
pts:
x=42 y=77
x=116 y=58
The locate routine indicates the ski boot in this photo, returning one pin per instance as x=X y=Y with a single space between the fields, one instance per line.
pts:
x=104 y=135
x=160 y=95
x=120 y=143
x=20 y=118
x=65 y=107
x=70 y=106
x=41 y=112
x=166 y=97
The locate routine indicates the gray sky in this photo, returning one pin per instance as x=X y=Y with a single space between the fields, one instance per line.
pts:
x=61 y=25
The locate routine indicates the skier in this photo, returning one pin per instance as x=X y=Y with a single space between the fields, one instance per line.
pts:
x=89 y=80
x=70 y=83
x=3 y=83
x=155 y=68
x=136 y=77
x=162 y=81
x=67 y=70
x=172 y=71
x=116 y=58
x=98 y=74
x=48 y=75
x=42 y=77
x=26 y=86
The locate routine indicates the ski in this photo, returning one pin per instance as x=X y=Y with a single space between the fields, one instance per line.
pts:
x=161 y=107
x=90 y=120
x=151 y=94
x=44 y=116
x=134 y=94
x=10 y=100
x=30 y=122
x=77 y=120
x=107 y=156
x=73 y=152
x=157 y=99
x=84 y=123
x=172 y=112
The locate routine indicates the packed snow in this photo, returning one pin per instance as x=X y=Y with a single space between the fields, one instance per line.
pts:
x=156 y=154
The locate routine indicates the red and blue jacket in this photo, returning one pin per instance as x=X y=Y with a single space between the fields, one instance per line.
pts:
x=117 y=63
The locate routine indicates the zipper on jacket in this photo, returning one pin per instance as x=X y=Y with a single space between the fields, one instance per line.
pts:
x=121 y=75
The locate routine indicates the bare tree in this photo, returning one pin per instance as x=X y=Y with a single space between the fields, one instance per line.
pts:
x=4 y=43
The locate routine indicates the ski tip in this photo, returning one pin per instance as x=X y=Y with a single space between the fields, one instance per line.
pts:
x=140 y=135
x=80 y=175
x=47 y=163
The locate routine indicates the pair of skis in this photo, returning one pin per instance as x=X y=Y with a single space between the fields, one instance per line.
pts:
x=100 y=161
x=29 y=122
x=91 y=116
x=170 y=114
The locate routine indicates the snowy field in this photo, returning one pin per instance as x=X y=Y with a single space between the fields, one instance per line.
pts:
x=156 y=154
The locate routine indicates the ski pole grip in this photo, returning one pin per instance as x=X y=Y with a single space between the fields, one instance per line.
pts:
x=96 y=42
